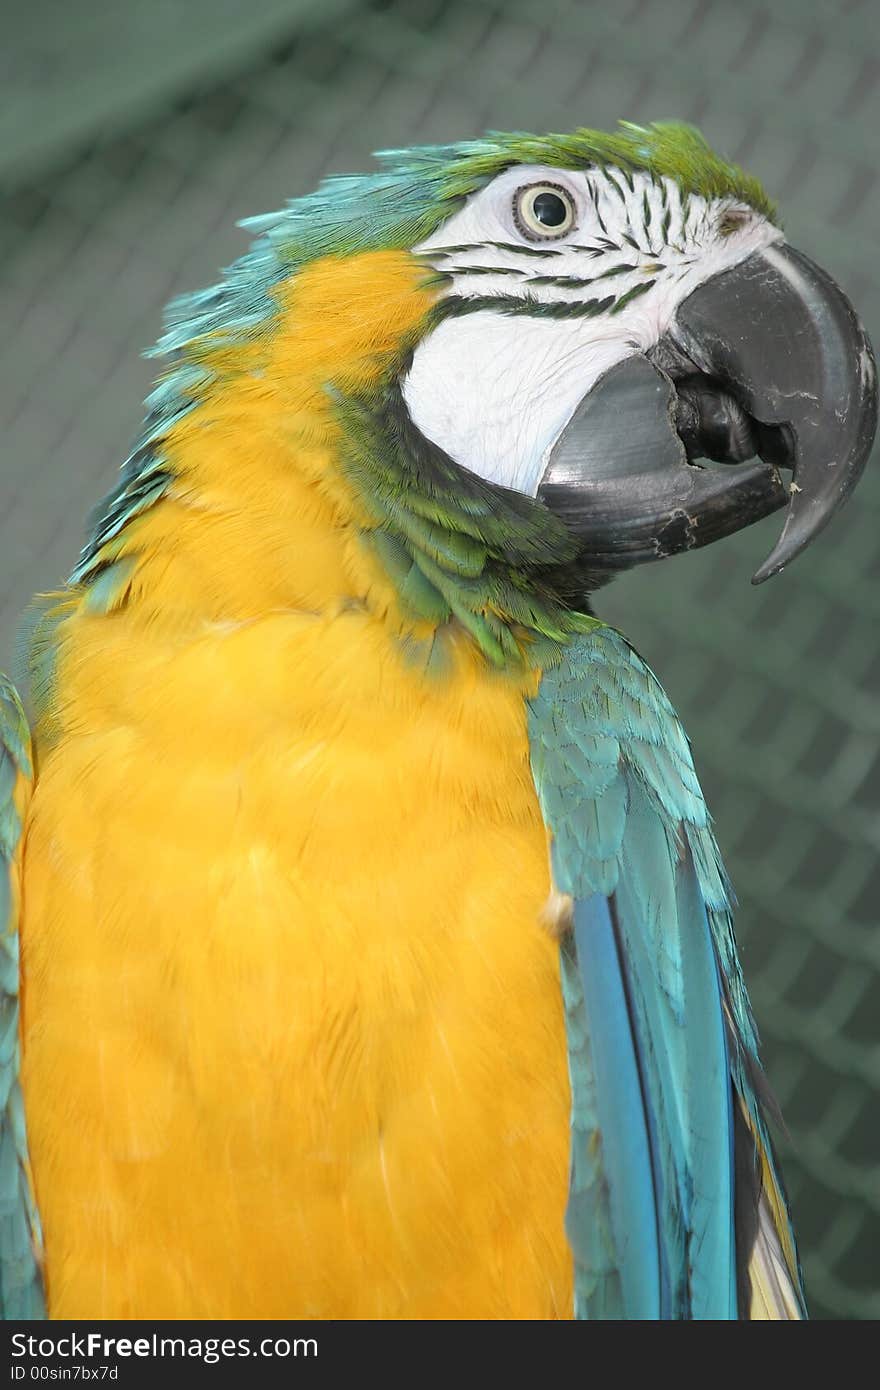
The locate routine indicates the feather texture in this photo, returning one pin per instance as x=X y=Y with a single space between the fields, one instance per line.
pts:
x=662 y=999
x=21 y=1283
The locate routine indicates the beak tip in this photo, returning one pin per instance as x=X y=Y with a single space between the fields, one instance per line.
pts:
x=795 y=538
x=766 y=571
x=784 y=551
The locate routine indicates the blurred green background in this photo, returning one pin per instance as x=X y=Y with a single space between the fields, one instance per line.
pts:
x=133 y=134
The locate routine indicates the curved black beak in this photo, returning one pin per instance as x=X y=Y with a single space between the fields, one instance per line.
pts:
x=767 y=359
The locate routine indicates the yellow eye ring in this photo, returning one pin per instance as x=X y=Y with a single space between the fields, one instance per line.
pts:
x=543 y=211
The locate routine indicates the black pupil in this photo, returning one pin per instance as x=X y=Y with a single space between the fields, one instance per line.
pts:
x=549 y=209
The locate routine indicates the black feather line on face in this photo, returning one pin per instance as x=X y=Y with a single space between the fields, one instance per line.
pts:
x=578 y=282
x=591 y=251
x=540 y=251
x=493 y=270
x=455 y=305
x=594 y=199
x=565 y=282
x=619 y=184
x=432 y=252
x=632 y=294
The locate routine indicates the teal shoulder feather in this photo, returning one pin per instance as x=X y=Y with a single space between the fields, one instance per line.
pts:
x=662 y=1045
x=21 y=1285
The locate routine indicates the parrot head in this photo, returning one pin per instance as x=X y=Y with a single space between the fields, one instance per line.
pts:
x=609 y=355
x=620 y=315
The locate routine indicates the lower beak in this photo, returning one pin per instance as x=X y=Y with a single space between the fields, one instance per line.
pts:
x=767 y=359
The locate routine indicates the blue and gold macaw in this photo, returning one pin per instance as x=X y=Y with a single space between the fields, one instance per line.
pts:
x=376 y=951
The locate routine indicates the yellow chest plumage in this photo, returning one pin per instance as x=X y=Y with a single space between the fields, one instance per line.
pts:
x=294 y=1039
x=293 y=1034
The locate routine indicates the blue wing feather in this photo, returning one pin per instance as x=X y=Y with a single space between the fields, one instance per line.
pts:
x=661 y=1016
x=625 y=1127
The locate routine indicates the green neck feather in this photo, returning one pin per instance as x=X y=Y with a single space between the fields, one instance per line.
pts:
x=456 y=546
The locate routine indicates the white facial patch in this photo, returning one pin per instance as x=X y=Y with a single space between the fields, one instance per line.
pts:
x=538 y=320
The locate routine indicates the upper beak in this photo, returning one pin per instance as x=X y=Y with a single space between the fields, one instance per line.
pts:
x=766 y=359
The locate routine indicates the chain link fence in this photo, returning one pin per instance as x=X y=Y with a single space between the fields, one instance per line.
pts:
x=777 y=686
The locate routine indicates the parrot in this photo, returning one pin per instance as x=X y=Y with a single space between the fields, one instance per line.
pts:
x=367 y=949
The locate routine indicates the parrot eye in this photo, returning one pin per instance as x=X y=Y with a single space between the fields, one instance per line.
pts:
x=543 y=211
